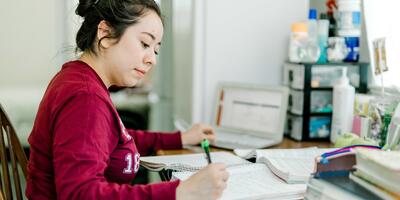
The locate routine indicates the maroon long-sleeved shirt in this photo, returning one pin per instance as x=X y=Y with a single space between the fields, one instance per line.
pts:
x=81 y=150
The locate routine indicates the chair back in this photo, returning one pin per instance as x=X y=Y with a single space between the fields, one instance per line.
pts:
x=10 y=151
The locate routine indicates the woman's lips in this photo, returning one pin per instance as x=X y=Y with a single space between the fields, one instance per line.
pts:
x=141 y=73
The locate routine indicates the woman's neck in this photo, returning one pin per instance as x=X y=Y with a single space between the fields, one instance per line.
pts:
x=95 y=63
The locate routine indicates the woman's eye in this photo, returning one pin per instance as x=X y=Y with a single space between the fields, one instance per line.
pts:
x=145 y=45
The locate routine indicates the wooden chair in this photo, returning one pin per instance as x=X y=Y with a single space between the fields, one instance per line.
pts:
x=9 y=141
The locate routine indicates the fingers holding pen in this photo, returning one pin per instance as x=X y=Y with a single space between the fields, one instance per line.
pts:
x=208 y=133
x=208 y=183
x=218 y=177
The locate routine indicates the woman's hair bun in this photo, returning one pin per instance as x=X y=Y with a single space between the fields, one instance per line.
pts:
x=84 y=7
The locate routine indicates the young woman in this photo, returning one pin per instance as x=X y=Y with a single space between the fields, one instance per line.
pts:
x=79 y=147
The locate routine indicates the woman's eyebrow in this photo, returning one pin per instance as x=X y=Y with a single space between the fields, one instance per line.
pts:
x=151 y=35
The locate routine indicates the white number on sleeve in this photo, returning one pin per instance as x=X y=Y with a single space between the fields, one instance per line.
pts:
x=128 y=159
x=137 y=162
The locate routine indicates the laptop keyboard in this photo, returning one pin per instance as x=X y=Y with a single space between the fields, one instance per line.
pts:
x=233 y=141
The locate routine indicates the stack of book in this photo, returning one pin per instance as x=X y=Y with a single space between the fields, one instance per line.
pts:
x=375 y=175
x=379 y=172
x=337 y=188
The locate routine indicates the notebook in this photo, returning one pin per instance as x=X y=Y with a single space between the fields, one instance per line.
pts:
x=337 y=188
x=377 y=190
x=189 y=162
x=379 y=167
x=268 y=178
x=254 y=181
x=249 y=116
x=292 y=165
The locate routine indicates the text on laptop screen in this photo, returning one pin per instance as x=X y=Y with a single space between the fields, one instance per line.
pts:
x=249 y=109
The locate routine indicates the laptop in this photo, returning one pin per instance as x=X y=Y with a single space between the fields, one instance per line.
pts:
x=249 y=116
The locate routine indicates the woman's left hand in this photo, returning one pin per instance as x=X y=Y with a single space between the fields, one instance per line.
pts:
x=197 y=133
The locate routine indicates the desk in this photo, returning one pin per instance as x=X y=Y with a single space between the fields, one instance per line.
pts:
x=286 y=144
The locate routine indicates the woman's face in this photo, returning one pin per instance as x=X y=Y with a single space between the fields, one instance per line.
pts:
x=134 y=55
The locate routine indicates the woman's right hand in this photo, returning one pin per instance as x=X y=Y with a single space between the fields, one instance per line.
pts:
x=208 y=183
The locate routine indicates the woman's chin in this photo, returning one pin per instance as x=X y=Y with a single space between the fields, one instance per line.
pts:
x=132 y=83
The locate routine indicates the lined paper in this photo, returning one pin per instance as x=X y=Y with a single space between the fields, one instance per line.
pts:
x=190 y=162
x=254 y=182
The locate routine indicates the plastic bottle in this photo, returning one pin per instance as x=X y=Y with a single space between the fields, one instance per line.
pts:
x=349 y=27
x=312 y=25
x=298 y=39
x=311 y=50
x=343 y=105
x=323 y=30
x=349 y=14
x=352 y=40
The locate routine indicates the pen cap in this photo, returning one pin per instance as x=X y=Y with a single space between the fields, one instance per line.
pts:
x=205 y=143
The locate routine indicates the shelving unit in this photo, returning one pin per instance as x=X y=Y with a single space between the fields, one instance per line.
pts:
x=310 y=100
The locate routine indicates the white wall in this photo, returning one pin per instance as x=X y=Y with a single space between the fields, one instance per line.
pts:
x=319 y=5
x=233 y=40
x=35 y=40
x=28 y=47
x=381 y=18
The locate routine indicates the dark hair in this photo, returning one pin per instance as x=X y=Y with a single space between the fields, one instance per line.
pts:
x=118 y=14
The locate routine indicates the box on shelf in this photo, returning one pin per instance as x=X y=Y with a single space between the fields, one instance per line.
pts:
x=310 y=99
x=309 y=128
x=320 y=101
x=314 y=76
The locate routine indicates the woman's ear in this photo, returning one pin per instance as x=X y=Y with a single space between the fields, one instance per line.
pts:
x=104 y=31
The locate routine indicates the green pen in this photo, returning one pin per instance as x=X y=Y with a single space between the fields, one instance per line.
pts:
x=206 y=146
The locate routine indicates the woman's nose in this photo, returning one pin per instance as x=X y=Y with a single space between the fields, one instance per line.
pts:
x=150 y=59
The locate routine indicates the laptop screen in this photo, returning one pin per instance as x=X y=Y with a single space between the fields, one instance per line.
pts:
x=259 y=111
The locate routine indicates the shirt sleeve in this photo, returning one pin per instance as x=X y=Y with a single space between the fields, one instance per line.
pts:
x=148 y=142
x=84 y=134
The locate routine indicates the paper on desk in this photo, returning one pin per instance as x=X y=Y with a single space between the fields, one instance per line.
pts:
x=189 y=162
x=254 y=181
x=292 y=165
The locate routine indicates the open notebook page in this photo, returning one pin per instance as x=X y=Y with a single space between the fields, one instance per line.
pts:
x=293 y=165
x=190 y=162
x=254 y=182
x=309 y=153
x=257 y=153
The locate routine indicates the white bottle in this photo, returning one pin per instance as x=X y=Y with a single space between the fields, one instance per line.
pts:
x=349 y=15
x=311 y=49
x=312 y=25
x=323 y=32
x=298 y=39
x=343 y=106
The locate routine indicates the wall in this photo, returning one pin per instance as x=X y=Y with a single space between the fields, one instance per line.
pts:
x=35 y=40
x=382 y=17
x=241 y=42
x=218 y=40
x=28 y=47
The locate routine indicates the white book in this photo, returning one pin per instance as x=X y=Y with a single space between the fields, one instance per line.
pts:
x=378 y=191
x=379 y=167
x=254 y=181
x=326 y=189
x=292 y=165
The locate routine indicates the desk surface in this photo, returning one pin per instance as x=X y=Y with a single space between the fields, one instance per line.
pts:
x=286 y=144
